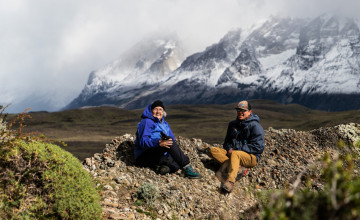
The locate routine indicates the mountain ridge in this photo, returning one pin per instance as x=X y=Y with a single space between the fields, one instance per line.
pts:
x=288 y=60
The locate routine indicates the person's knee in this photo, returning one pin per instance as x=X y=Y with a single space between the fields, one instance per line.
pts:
x=211 y=150
x=214 y=150
x=171 y=163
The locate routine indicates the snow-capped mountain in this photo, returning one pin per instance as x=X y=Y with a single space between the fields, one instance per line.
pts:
x=322 y=72
x=315 y=63
x=326 y=63
x=145 y=64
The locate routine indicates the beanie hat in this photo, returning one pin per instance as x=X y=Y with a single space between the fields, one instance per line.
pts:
x=157 y=103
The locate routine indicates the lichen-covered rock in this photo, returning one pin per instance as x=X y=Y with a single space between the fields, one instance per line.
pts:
x=288 y=153
x=349 y=132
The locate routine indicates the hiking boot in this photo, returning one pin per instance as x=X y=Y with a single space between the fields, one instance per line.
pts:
x=191 y=173
x=242 y=172
x=162 y=169
x=227 y=186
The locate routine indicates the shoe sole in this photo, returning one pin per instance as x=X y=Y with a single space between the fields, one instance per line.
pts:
x=225 y=189
x=194 y=177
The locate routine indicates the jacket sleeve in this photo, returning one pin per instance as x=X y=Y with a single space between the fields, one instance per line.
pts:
x=255 y=144
x=228 y=142
x=144 y=131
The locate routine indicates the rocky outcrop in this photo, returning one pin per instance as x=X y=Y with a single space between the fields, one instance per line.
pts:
x=288 y=154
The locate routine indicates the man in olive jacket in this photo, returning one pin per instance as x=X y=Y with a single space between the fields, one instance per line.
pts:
x=243 y=145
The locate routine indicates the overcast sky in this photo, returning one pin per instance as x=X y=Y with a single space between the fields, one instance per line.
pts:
x=49 y=47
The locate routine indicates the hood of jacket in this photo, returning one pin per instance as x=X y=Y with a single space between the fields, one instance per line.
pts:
x=252 y=117
x=148 y=114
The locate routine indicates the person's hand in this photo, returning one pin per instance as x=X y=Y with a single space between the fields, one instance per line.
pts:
x=166 y=143
x=229 y=152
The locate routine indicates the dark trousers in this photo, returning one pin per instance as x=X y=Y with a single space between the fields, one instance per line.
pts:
x=175 y=158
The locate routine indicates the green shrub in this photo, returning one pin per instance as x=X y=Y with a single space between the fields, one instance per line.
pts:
x=340 y=199
x=39 y=180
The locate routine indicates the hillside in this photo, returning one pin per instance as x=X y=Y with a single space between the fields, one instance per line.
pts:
x=288 y=155
x=87 y=130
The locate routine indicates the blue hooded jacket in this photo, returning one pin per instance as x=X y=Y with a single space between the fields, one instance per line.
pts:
x=246 y=136
x=148 y=132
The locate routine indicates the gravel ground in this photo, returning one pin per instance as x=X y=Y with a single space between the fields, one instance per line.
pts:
x=288 y=154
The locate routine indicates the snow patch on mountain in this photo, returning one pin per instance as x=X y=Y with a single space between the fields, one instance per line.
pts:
x=276 y=59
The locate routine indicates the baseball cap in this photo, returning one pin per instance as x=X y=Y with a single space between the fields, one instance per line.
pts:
x=243 y=105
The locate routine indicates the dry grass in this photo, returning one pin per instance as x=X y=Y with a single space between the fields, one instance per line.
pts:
x=86 y=131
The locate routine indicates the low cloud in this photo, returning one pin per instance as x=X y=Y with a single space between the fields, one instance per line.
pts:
x=48 y=48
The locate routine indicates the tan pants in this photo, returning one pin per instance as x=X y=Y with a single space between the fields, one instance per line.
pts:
x=237 y=158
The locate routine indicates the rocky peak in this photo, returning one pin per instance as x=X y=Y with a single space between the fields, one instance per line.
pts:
x=288 y=154
x=144 y=64
x=232 y=42
x=245 y=65
x=321 y=34
x=225 y=50
x=154 y=57
x=276 y=35
x=205 y=59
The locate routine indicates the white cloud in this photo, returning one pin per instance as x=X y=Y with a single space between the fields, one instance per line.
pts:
x=48 y=48
x=304 y=8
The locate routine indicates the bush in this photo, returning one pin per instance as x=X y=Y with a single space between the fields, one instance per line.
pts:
x=149 y=192
x=340 y=198
x=39 y=180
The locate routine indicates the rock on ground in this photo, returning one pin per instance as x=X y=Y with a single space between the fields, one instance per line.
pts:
x=288 y=153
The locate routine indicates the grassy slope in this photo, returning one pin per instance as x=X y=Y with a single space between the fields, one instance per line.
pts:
x=87 y=130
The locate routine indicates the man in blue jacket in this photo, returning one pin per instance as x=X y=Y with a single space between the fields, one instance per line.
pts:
x=155 y=144
x=243 y=145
